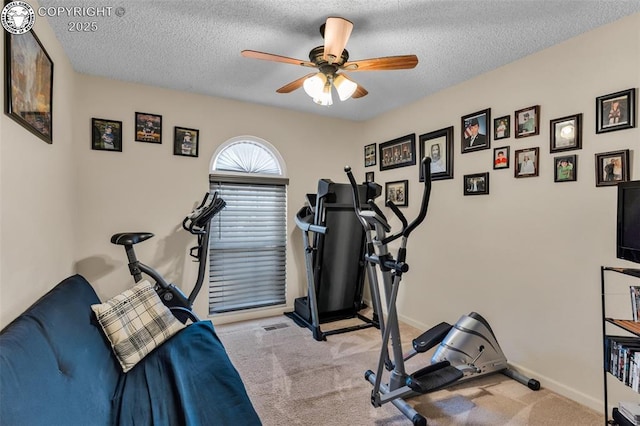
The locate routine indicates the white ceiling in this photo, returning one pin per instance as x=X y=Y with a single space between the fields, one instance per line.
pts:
x=194 y=45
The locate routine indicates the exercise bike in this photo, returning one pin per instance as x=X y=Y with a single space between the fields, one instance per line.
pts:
x=197 y=223
x=466 y=350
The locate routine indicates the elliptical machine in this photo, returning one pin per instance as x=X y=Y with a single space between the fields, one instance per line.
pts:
x=466 y=350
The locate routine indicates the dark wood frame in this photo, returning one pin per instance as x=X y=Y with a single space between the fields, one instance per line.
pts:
x=424 y=139
x=369 y=177
x=573 y=159
x=485 y=115
x=401 y=142
x=370 y=155
x=38 y=121
x=557 y=125
x=98 y=126
x=536 y=163
x=601 y=179
x=178 y=137
x=140 y=120
x=507 y=134
x=508 y=156
x=465 y=184
x=602 y=114
x=516 y=117
x=405 y=188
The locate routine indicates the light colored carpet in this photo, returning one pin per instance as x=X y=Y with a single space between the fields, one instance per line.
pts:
x=294 y=380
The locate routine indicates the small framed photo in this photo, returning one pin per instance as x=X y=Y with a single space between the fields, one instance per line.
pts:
x=106 y=135
x=438 y=145
x=527 y=161
x=612 y=167
x=476 y=131
x=502 y=128
x=616 y=111
x=370 y=155
x=566 y=133
x=148 y=127
x=501 y=158
x=398 y=192
x=476 y=184
x=185 y=141
x=566 y=168
x=527 y=121
x=400 y=152
x=369 y=177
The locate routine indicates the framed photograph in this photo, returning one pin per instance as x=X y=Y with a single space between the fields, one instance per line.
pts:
x=476 y=184
x=106 y=135
x=476 y=131
x=616 y=111
x=398 y=192
x=29 y=84
x=612 y=167
x=399 y=152
x=527 y=161
x=527 y=121
x=566 y=133
x=438 y=145
x=501 y=158
x=566 y=168
x=502 y=128
x=148 y=127
x=185 y=141
x=368 y=177
x=370 y=155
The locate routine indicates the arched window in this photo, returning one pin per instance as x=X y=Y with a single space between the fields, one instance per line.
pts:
x=248 y=237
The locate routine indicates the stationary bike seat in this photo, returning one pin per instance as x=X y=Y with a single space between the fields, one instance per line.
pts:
x=130 y=238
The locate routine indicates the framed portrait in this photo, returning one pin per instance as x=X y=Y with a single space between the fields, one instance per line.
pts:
x=527 y=162
x=438 y=145
x=29 y=84
x=566 y=133
x=476 y=131
x=106 y=135
x=501 y=158
x=370 y=155
x=398 y=192
x=612 y=167
x=527 y=121
x=185 y=141
x=502 y=128
x=476 y=184
x=400 y=152
x=369 y=177
x=566 y=168
x=148 y=127
x=616 y=111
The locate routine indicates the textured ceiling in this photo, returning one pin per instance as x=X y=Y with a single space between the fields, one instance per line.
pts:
x=194 y=45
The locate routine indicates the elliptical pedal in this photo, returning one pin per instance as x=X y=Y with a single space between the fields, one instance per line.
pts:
x=433 y=377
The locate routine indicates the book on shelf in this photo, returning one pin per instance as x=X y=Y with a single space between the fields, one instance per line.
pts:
x=635 y=302
x=623 y=359
x=631 y=410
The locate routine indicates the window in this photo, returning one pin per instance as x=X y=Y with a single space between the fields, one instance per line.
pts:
x=247 y=245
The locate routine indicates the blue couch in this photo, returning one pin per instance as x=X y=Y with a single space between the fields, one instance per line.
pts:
x=57 y=368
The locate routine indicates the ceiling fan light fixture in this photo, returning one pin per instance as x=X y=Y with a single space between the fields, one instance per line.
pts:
x=345 y=87
x=324 y=98
x=314 y=85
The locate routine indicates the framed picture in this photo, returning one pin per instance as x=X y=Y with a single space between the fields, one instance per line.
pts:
x=106 y=135
x=527 y=121
x=398 y=192
x=148 y=127
x=29 y=84
x=566 y=133
x=502 y=128
x=501 y=158
x=612 y=167
x=438 y=145
x=527 y=161
x=368 y=177
x=370 y=155
x=476 y=184
x=616 y=111
x=476 y=131
x=185 y=141
x=566 y=168
x=399 y=152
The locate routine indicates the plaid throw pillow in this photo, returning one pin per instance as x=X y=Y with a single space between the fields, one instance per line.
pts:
x=135 y=322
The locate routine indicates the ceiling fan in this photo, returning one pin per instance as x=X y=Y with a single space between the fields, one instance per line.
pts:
x=331 y=60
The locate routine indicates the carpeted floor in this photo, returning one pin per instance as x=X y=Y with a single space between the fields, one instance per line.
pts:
x=294 y=380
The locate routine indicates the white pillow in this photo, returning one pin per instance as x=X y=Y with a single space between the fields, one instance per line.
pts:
x=136 y=322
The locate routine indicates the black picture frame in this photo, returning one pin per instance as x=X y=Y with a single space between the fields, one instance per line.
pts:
x=525 y=165
x=398 y=192
x=106 y=134
x=399 y=152
x=148 y=127
x=29 y=84
x=369 y=177
x=503 y=161
x=565 y=133
x=565 y=168
x=186 y=141
x=476 y=184
x=616 y=111
x=502 y=127
x=370 y=155
x=527 y=121
x=440 y=140
x=607 y=165
x=475 y=131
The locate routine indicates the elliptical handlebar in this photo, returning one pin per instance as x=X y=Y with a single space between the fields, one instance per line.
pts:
x=426 y=194
x=379 y=216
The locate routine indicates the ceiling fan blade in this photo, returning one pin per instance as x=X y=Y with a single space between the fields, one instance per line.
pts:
x=336 y=35
x=296 y=84
x=402 y=62
x=276 y=58
x=360 y=91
